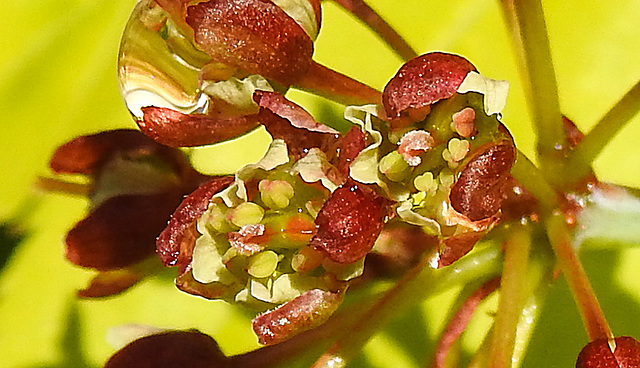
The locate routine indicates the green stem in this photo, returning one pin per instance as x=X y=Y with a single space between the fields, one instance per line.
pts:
x=55 y=185
x=525 y=19
x=592 y=315
x=512 y=295
x=540 y=274
x=593 y=143
x=533 y=180
x=418 y=283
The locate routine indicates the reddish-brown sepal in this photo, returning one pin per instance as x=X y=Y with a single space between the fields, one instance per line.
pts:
x=349 y=222
x=423 y=81
x=175 y=129
x=599 y=353
x=478 y=192
x=254 y=36
x=309 y=310
x=175 y=243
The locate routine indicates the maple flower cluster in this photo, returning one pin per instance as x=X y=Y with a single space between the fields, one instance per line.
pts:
x=426 y=162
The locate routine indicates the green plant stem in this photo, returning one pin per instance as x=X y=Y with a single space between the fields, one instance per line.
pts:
x=377 y=24
x=601 y=134
x=481 y=357
x=61 y=186
x=592 y=315
x=512 y=295
x=525 y=19
x=539 y=277
x=533 y=180
x=418 y=283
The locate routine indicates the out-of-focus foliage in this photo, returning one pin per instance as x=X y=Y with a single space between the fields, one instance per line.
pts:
x=58 y=80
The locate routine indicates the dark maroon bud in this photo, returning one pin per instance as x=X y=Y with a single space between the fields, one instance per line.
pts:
x=191 y=349
x=478 y=192
x=349 y=222
x=87 y=154
x=121 y=231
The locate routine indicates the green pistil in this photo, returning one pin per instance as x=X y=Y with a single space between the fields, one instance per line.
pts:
x=275 y=194
x=247 y=213
x=394 y=167
x=263 y=264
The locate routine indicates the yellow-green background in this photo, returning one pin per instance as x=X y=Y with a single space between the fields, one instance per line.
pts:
x=58 y=80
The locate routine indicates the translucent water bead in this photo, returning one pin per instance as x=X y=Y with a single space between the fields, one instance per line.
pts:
x=158 y=65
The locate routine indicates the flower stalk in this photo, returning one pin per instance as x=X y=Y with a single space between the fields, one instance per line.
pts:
x=530 y=40
x=592 y=315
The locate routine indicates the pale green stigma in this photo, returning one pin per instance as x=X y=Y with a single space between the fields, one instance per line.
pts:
x=246 y=213
x=262 y=264
x=275 y=194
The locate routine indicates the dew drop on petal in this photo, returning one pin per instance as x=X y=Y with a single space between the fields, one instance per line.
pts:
x=157 y=65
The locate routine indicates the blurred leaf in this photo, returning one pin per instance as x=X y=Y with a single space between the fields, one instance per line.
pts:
x=10 y=238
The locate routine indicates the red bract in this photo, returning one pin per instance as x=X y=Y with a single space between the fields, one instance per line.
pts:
x=599 y=354
x=423 y=81
x=190 y=349
x=137 y=183
x=478 y=192
x=254 y=36
x=350 y=222
x=285 y=120
x=175 y=129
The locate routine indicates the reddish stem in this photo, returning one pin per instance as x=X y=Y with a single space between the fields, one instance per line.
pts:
x=338 y=87
x=460 y=321
x=592 y=315
x=369 y=16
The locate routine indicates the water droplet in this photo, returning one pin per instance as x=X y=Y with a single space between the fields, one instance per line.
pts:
x=158 y=65
x=335 y=362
